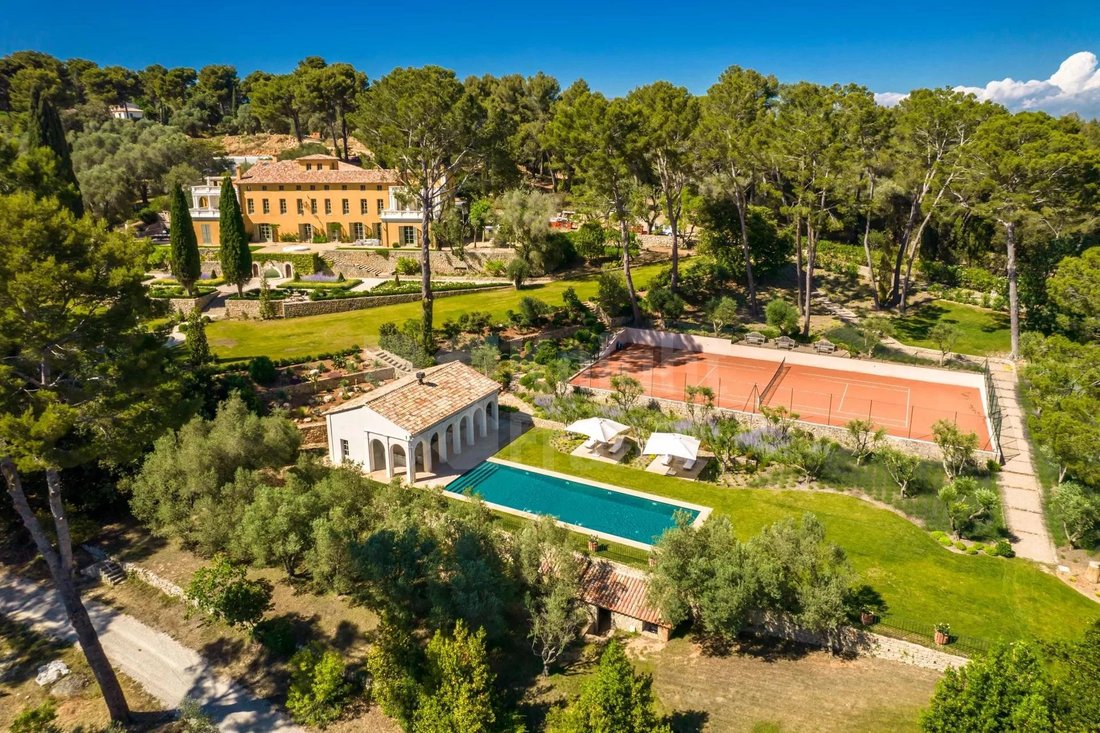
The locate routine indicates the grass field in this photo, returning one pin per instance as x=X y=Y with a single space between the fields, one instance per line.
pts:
x=286 y=338
x=923 y=584
x=982 y=331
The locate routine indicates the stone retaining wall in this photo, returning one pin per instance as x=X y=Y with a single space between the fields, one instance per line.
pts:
x=250 y=309
x=314 y=434
x=146 y=576
x=186 y=305
x=850 y=640
x=369 y=263
x=377 y=374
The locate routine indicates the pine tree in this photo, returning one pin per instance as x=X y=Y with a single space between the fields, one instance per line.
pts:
x=198 y=348
x=46 y=132
x=235 y=256
x=184 y=249
x=615 y=698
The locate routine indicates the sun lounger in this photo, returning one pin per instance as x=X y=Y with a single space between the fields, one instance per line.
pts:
x=591 y=444
x=616 y=446
x=689 y=464
x=666 y=461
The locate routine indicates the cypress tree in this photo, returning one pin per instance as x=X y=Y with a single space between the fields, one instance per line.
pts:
x=235 y=256
x=198 y=348
x=184 y=247
x=46 y=132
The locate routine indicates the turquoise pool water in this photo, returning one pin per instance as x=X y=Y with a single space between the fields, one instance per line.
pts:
x=574 y=502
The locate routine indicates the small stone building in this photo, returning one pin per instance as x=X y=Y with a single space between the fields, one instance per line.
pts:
x=417 y=421
x=616 y=598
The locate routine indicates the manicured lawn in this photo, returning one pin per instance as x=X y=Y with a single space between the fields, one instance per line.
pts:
x=983 y=331
x=980 y=596
x=282 y=339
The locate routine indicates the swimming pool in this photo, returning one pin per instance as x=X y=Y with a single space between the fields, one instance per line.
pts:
x=619 y=514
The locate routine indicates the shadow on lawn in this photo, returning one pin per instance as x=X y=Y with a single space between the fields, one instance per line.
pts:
x=688 y=721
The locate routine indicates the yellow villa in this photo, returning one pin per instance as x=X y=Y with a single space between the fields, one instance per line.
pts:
x=318 y=198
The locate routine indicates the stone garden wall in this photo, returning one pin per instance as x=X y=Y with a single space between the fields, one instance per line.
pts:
x=379 y=374
x=250 y=309
x=851 y=640
x=186 y=305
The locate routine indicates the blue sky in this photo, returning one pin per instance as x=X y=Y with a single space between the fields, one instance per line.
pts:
x=887 y=46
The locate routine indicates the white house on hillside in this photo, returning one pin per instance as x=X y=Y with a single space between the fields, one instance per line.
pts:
x=127 y=111
x=418 y=420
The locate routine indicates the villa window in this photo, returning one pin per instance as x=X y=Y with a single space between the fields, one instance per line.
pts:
x=328 y=206
x=345 y=207
x=309 y=166
x=363 y=207
x=282 y=206
x=345 y=449
x=248 y=204
x=381 y=205
x=358 y=231
x=313 y=206
x=204 y=233
x=408 y=235
x=301 y=208
x=203 y=202
x=265 y=206
x=266 y=233
x=378 y=230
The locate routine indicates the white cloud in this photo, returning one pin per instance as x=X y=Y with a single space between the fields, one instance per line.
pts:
x=1074 y=87
x=889 y=99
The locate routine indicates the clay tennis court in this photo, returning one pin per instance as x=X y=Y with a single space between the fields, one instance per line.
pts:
x=906 y=408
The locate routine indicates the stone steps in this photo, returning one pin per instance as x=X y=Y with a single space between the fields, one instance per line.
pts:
x=111 y=572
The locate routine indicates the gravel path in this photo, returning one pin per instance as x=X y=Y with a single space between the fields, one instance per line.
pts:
x=168 y=670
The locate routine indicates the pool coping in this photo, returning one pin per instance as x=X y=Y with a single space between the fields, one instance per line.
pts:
x=703 y=511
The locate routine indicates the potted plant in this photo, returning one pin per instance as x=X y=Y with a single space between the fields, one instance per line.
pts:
x=943 y=633
x=593 y=543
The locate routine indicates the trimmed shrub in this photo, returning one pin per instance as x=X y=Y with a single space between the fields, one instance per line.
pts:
x=262 y=370
x=318 y=690
x=407 y=266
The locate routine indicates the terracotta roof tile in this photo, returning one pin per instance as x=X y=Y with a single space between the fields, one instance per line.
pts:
x=619 y=589
x=291 y=171
x=415 y=406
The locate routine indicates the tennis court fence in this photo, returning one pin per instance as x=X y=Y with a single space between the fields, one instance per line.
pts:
x=993 y=409
x=901 y=419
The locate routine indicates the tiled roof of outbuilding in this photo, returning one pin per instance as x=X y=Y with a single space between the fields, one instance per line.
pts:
x=619 y=589
x=415 y=406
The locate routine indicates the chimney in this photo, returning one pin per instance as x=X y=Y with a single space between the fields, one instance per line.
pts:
x=420 y=377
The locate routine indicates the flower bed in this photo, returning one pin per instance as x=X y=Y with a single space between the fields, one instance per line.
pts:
x=394 y=288
x=314 y=282
x=177 y=291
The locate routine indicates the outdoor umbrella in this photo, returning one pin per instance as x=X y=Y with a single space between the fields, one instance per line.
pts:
x=672 y=444
x=598 y=428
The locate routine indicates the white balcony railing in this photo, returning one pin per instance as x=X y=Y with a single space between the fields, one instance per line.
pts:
x=400 y=215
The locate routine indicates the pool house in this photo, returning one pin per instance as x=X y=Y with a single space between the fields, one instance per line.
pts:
x=615 y=596
x=410 y=425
